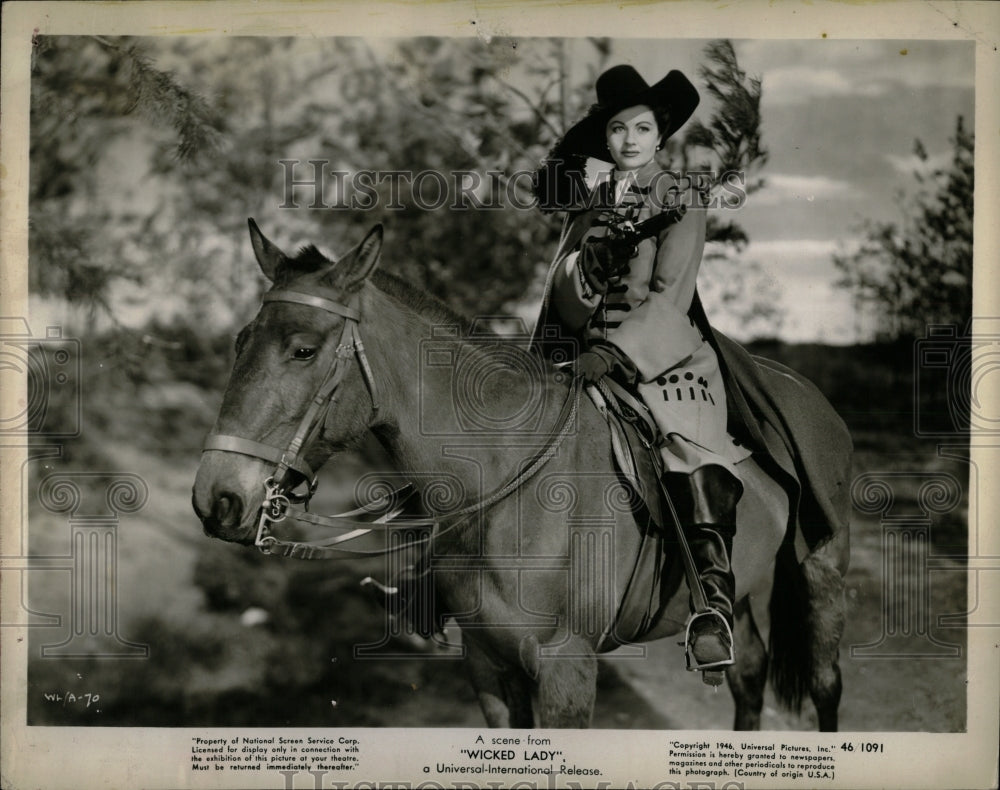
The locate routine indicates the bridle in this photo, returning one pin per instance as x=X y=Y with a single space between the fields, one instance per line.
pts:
x=293 y=456
x=281 y=504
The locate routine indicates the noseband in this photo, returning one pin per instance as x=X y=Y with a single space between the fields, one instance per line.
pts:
x=279 y=501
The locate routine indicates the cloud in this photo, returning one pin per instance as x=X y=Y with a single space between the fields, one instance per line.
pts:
x=785 y=250
x=908 y=165
x=809 y=258
x=784 y=187
x=814 y=310
x=795 y=84
x=798 y=72
x=782 y=251
x=829 y=318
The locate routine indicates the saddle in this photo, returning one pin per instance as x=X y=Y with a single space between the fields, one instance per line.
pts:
x=651 y=582
x=651 y=595
x=649 y=606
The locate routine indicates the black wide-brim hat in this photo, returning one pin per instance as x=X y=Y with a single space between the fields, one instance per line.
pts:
x=621 y=87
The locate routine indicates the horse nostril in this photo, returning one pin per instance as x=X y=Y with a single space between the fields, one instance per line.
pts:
x=226 y=509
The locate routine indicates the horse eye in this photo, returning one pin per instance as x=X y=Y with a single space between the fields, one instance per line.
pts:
x=304 y=353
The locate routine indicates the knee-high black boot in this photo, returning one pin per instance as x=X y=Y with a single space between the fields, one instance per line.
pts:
x=714 y=493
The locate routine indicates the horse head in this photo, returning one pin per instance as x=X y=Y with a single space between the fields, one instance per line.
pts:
x=295 y=395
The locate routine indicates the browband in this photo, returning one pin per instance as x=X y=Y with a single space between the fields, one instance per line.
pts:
x=311 y=300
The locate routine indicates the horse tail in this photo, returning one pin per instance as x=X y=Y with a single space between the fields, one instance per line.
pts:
x=808 y=614
x=789 y=644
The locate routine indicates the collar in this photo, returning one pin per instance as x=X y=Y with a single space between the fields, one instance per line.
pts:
x=597 y=172
x=641 y=177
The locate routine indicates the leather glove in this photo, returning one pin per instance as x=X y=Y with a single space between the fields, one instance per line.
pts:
x=596 y=262
x=602 y=359
x=591 y=366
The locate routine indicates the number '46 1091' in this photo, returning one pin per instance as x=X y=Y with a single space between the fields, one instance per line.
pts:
x=867 y=747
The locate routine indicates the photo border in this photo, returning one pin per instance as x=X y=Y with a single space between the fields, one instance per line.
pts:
x=83 y=757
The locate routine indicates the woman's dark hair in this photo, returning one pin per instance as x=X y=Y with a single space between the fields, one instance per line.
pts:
x=662 y=116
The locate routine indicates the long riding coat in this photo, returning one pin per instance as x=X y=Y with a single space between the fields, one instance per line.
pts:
x=654 y=317
x=644 y=314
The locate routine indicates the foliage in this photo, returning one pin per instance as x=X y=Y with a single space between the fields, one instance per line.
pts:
x=148 y=155
x=206 y=165
x=86 y=93
x=730 y=148
x=733 y=134
x=919 y=271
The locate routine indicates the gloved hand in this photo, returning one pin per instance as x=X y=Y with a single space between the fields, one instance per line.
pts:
x=591 y=366
x=602 y=359
x=596 y=263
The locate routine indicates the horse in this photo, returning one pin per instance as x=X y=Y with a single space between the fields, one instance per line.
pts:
x=534 y=572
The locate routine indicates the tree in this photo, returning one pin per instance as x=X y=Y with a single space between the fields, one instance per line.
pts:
x=730 y=148
x=413 y=106
x=918 y=271
x=87 y=95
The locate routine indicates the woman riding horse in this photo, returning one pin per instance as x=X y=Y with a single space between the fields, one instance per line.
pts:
x=628 y=301
x=535 y=611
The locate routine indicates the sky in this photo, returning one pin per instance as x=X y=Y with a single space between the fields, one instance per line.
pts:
x=839 y=121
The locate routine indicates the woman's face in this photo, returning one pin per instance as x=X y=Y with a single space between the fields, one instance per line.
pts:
x=632 y=137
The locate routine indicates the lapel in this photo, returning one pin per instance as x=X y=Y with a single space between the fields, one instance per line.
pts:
x=634 y=183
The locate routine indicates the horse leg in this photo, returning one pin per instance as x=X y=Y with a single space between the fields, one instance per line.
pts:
x=504 y=694
x=748 y=675
x=567 y=684
x=826 y=617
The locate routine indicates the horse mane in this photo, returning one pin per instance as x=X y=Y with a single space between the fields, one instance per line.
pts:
x=419 y=300
x=309 y=259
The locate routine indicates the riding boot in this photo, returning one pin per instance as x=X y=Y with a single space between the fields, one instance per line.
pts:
x=714 y=492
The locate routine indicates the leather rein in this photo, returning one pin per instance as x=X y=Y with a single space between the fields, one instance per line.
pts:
x=281 y=504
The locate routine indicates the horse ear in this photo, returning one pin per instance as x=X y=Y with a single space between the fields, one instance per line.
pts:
x=269 y=257
x=360 y=262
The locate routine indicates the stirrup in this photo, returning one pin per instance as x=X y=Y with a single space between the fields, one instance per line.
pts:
x=712 y=678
